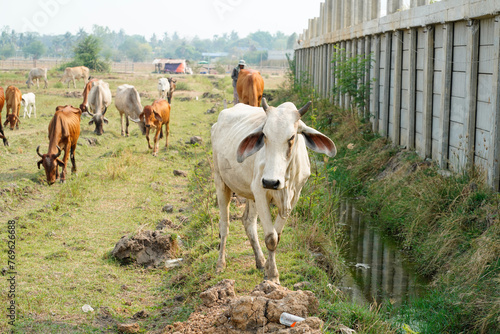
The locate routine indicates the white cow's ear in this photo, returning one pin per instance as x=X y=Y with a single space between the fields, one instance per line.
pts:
x=250 y=145
x=317 y=141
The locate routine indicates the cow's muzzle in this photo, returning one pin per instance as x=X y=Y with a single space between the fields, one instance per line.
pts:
x=270 y=184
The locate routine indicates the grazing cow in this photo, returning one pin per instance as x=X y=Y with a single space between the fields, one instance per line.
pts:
x=2 y=101
x=28 y=102
x=84 y=106
x=64 y=130
x=37 y=73
x=74 y=73
x=13 y=97
x=250 y=87
x=99 y=101
x=262 y=156
x=156 y=115
x=128 y=103
x=163 y=88
x=170 y=93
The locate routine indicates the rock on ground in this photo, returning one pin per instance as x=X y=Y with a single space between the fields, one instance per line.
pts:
x=147 y=248
x=223 y=312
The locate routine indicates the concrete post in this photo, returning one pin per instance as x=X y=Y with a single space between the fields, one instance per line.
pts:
x=396 y=104
x=494 y=152
x=471 y=94
x=387 y=85
x=376 y=85
x=412 y=75
x=428 y=89
x=446 y=94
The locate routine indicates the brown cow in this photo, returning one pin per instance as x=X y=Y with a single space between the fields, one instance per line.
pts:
x=155 y=116
x=85 y=104
x=64 y=130
x=13 y=97
x=2 y=101
x=250 y=87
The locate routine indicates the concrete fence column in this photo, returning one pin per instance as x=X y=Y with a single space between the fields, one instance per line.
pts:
x=329 y=16
x=368 y=51
x=393 y=6
x=396 y=104
x=412 y=88
x=494 y=152
x=387 y=85
x=445 y=103
x=376 y=84
x=471 y=93
x=428 y=89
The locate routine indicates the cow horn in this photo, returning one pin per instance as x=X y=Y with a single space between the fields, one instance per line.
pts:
x=304 y=109
x=265 y=106
x=134 y=120
x=38 y=151
x=59 y=152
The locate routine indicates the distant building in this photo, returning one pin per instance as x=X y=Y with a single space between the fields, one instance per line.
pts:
x=170 y=65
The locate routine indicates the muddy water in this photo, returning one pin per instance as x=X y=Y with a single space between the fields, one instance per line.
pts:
x=378 y=270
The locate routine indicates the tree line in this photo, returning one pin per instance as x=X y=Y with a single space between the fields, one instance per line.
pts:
x=118 y=46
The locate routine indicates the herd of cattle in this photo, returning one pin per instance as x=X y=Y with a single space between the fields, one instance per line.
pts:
x=64 y=127
x=259 y=152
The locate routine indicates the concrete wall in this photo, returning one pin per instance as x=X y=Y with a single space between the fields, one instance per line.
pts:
x=436 y=71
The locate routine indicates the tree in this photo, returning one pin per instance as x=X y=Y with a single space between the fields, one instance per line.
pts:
x=35 y=49
x=87 y=54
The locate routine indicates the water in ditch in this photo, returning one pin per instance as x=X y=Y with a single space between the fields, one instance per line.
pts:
x=378 y=270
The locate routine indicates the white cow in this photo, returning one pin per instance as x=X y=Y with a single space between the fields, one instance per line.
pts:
x=36 y=74
x=99 y=101
x=28 y=102
x=163 y=87
x=128 y=103
x=262 y=156
x=74 y=73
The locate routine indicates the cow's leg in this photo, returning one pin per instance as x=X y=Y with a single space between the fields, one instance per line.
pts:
x=65 y=161
x=167 y=131
x=157 y=142
x=126 y=126
x=147 y=138
x=223 y=200
x=38 y=83
x=73 y=162
x=74 y=82
x=250 y=223
x=270 y=235
x=121 y=123
x=46 y=84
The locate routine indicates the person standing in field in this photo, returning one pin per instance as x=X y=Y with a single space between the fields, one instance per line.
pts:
x=234 y=76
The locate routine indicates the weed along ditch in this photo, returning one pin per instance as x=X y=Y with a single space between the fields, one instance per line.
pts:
x=378 y=270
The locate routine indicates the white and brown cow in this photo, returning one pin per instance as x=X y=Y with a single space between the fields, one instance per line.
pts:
x=260 y=154
x=99 y=101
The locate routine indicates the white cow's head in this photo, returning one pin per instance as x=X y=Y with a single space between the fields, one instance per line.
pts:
x=278 y=135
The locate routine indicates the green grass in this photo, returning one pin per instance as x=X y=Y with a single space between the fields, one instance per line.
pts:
x=66 y=231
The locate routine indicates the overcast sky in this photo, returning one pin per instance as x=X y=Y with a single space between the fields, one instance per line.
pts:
x=202 y=18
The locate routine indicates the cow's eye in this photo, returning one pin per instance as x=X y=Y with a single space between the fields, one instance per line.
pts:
x=291 y=139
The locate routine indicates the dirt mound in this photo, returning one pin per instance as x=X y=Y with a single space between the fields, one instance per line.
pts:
x=223 y=312
x=147 y=248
